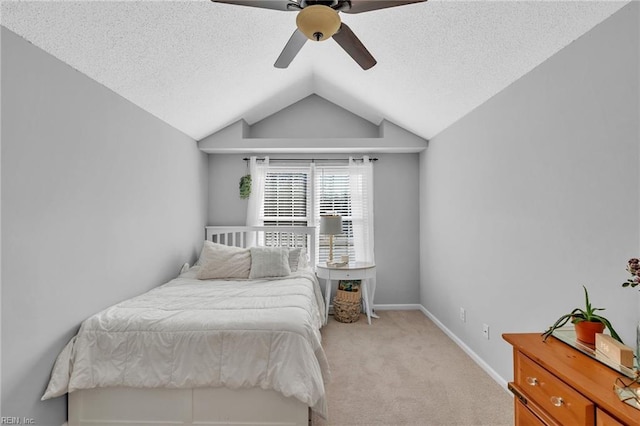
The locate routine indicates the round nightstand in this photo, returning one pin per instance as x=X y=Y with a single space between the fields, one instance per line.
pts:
x=353 y=271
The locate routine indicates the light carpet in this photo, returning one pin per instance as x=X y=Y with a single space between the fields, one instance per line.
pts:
x=403 y=370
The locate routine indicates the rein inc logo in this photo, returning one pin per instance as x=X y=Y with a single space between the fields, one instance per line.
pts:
x=17 y=421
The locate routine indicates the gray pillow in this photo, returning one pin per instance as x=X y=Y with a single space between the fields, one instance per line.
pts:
x=267 y=262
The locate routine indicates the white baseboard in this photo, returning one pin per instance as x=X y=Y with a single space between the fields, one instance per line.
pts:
x=490 y=371
x=65 y=424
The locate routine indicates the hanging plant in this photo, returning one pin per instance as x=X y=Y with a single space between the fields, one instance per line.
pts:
x=245 y=186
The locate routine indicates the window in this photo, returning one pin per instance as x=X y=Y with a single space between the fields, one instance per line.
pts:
x=286 y=202
x=286 y=198
x=295 y=195
x=334 y=197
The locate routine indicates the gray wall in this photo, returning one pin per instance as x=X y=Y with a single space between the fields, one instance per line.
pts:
x=313 y=117
x=536 y=193
x=396 y=182
x=100 y=201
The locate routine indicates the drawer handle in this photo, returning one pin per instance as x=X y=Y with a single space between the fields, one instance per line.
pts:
x=557 y=401
x=532 y=381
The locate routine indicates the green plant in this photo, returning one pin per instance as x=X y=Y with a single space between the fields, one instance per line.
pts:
x=579 y=315
x=245 y=186
x=633 y=267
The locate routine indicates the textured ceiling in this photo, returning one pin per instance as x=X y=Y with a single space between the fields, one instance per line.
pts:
x=200 y=66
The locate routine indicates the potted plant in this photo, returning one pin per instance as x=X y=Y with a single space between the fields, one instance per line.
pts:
x=586 y=321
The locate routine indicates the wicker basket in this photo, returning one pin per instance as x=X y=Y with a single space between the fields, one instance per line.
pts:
x=348 y=296
x=346 y=306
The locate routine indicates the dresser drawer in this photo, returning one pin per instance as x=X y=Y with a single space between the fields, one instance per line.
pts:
x=524 y=417
x=603 y=419
x=557 y=399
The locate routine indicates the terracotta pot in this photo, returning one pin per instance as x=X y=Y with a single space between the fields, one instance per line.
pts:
x=586 y=331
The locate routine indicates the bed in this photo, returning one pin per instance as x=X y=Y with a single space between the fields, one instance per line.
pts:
x=208 y=351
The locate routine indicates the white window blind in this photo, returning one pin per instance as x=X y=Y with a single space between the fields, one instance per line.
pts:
x=333 y=197
x=286 y=200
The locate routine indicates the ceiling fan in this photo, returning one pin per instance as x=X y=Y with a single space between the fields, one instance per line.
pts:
x=318 y=20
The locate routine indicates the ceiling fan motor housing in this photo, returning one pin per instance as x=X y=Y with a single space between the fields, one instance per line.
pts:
x=330 y=3
x=318 y=22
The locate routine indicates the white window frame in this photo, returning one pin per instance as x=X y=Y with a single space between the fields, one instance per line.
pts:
x=315 y=175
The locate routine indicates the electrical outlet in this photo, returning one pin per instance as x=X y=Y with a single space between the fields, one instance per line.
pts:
x=485 y=331
x=463 y=315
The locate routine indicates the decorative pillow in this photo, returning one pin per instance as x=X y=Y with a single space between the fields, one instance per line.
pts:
x=303 y=261
x=220 y=261
x=298 y=258
x=294 y=258
x=269 y=262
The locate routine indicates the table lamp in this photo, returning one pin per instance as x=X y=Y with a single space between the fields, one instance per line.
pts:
x=330 y=225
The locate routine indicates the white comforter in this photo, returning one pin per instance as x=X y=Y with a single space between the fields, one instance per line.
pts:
x=198 y=333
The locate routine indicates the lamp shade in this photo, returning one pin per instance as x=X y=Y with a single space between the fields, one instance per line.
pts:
x=318 y=22
x=331 y=225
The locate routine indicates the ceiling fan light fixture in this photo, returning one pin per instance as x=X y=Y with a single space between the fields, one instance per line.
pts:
x=318 y=22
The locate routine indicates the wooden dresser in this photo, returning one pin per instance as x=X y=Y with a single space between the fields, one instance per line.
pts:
x=555 y=384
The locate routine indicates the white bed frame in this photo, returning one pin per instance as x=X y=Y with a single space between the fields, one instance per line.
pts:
x=283 y=236
x=200 y=406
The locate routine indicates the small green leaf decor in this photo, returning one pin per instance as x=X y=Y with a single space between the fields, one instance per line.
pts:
x=245 y=186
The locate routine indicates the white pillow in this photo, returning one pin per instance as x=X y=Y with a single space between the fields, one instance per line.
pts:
x=298 y=258
x=294 y=258
x=269 y=262
x=303 y=262
x=220 y=261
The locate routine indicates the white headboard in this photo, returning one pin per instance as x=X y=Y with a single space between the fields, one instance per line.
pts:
x=280 y=236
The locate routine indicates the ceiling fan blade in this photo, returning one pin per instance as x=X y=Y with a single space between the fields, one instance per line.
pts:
x=285 y=5
x=354 y=47
x=359 y=6
x=291 y=49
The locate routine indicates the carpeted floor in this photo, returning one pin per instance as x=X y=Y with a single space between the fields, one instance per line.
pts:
x=403 y=370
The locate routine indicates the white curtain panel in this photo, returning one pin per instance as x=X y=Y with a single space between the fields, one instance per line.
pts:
x=361 y=182
x=258 y=171
x=313 y=206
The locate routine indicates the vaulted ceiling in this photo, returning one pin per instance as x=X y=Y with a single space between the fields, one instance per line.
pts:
x=200 y=66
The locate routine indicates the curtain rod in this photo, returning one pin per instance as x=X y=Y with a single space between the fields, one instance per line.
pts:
x=309 y=159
